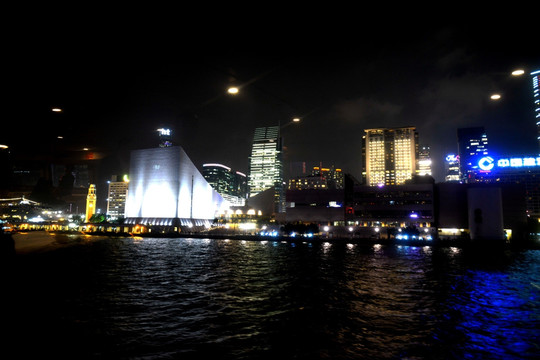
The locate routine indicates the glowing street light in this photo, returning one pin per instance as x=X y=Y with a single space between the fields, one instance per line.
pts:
x=56 y=110
x=516 y=73
x=296 y=119
x=233 y=90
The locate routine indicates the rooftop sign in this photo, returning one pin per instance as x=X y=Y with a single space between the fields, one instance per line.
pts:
x=487 y=163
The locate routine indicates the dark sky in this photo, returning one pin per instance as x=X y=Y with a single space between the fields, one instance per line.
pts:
x=116 y=90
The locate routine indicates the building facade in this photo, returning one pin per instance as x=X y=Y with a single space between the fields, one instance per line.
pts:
x=166 y=189
x=319 y=178
x=472 y=146
x=390 y=155
x=424 y=161
x=116 y=197
x=536 y=99
x=524 y=170
x=231 y=185
x=451 y=168
x=265 y=165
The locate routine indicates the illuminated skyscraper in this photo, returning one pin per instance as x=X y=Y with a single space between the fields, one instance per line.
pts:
x=536 y=98
x=116 y=199
x=231 y=185
x=451 y=167
x=472 y=145
x=90 y=202
x=424 y=161
x=390 y=155
x=265 y=165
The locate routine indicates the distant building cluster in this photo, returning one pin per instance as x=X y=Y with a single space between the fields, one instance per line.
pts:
x=319 y=178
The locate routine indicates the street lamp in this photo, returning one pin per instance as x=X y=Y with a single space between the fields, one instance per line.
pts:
x=294 y=120
x=515 y=73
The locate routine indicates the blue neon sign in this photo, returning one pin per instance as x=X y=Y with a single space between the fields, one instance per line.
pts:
x=487 y=163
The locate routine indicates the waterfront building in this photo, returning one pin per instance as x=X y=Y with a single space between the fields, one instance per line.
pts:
x=265 y=165
x=523 y=170
x=90 y=203
x=231 y=185
x=321 y=206
x=424 y=160
x=472 y=145
x=480 y=211
x=166 y=189
x=451 y=168
x=394 y=206
x=116 y=197
x=389 y=155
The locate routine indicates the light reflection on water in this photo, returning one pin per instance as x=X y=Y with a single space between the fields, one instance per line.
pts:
x=192 y=298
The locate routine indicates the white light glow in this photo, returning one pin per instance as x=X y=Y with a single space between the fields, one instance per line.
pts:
x=247 y=226
x=166 y=184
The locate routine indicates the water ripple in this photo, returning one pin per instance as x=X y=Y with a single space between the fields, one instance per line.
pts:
x=195 y=298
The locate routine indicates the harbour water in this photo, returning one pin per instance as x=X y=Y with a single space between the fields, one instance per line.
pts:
x=181 y=298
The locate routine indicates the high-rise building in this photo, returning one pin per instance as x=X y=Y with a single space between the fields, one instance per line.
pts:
x=472 y=145
x=117 y=196
x=265 y=165
x=424 y=161
x=536 y=98
x=90 y=203
x=390 y=155
x=451 y=167
x=231 y=185
x=219 y=177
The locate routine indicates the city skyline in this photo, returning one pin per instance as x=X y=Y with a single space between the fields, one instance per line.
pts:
x=437 y=81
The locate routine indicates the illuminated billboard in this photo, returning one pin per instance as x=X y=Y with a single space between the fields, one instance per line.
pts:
x=488 y=163
x=164 y=183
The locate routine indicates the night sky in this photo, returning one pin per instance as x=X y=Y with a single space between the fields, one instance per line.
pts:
x=116 y=91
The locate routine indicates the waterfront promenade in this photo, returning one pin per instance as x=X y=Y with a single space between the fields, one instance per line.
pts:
x=38 y=241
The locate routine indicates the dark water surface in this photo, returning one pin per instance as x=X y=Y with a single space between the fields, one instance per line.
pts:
x=198 y=298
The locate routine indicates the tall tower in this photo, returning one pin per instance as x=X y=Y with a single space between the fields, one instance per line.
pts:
x=265 y=165
x=472 y=145
x=424 y=161
x=390 y=155
x=90 y=202
x=536 y=98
